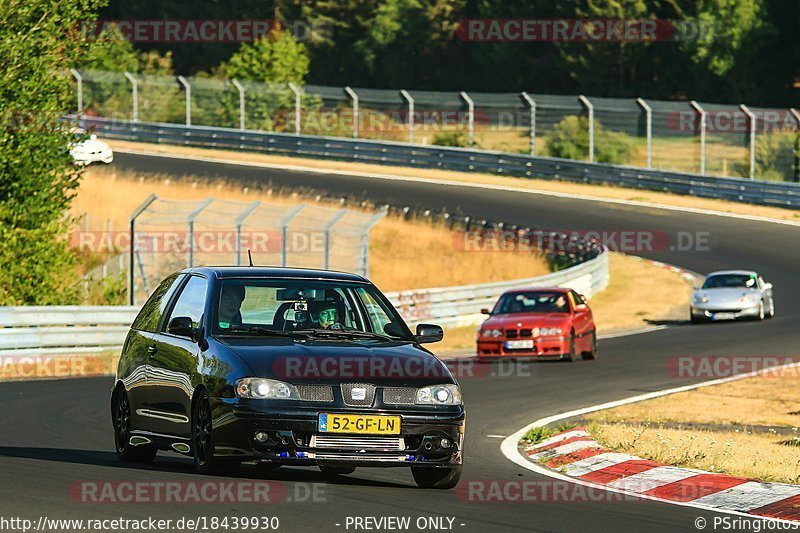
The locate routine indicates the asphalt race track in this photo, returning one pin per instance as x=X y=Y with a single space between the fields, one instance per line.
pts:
x=58 y=433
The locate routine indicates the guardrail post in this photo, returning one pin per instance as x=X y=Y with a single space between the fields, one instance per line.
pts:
x=752 y=139
x=297 y=97
x=702 y=114
x=134 y=95
x=328 y=227
x=470 y=117
x=532 y=105
x=590 y=108
x=241 y=103
x=410 y=120
x=188 y=89
x=649 y=129
x=239 y=222
x=796 y=114
x=132 y=245
x=285 y=230
x=79 y=80
x=352 y=94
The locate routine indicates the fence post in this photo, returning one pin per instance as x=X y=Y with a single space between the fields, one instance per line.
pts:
x=350 y=92
x=410 y=121
x=590 y=108
x=241 y=103
x=364 y=249
x=532 y=105
x=285 y=228
x=297 y=95
x=132 y=245
x=192 y=216
x=239 y=222
x=752 y=135
x=134 y=95
x=328 y=227
x=470 y=117
x=188 y=89
x=79 y=79
x=649 y=129
x=796 y=114
x=702 y=113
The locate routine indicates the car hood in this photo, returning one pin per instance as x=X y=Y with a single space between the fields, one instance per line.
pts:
x=397 y=363
x=726 y=295
x=532 y=320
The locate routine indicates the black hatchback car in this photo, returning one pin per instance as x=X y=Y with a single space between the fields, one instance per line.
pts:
x=285 y=367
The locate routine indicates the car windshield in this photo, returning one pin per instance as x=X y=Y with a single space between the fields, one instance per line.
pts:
x=305 y=308
x=532 y=302
x=747 y=281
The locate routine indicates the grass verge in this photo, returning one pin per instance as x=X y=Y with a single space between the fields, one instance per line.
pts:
x=746 y=428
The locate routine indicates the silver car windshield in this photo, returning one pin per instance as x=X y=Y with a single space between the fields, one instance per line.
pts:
x=745 y=281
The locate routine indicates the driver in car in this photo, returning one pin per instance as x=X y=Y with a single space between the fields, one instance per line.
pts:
x=230 y=302
x=327 y=315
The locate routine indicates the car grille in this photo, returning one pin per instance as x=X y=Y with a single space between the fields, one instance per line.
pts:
x=400 y=395
x=519 y=333
x=347 y=394
x=377 y=458
x=358 y=443
x=315 y=393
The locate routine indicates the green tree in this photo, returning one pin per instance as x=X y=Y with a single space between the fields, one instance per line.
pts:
x=570 y=140
x=38 y=39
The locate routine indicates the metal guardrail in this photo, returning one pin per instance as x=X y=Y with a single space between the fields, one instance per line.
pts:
x=781 y=194
x=43 y=331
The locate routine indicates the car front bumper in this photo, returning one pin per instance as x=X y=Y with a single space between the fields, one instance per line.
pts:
x=714 y=312
x=292 y=435
x=543 y=347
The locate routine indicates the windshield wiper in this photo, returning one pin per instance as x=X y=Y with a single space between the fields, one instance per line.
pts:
x=345 y=333
x=269 y=332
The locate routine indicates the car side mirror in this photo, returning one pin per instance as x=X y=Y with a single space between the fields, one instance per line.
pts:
x=767 y=286
x=581 y=308
x=429 y=333
x=485 y=311
x=182 y=327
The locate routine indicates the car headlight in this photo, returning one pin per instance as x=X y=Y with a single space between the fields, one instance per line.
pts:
x=700 y=298
x=544 y=332
x=439 y=395
x=749 y=298
x=261 y=388
x=491 y=333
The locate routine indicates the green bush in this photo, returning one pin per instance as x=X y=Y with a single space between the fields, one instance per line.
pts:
x=775 y=156
x=450 y=138
x=570 y=140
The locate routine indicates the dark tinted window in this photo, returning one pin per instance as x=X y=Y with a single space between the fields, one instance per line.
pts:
x=730 y=280
x=191 y=301
x=532 y=302
x=153 y=309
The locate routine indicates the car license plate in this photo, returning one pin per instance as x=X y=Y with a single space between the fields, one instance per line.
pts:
x=382 y=425
x=519 y=345
x=724 y=316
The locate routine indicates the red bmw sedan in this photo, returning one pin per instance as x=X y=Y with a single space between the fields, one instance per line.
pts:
x=551 y=323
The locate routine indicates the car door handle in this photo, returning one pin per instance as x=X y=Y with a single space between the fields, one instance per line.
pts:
x=152 y=349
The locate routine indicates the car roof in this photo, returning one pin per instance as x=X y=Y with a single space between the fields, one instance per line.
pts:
x=739 y=272
x=543 y=289
x=222 y=272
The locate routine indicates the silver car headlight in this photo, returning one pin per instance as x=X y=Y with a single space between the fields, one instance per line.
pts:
x=261 y=388
x=491 y=333
x=700 y=298
x=439 y=395
x=751 y=299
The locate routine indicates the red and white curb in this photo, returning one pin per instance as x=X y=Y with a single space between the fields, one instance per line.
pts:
x=576 y=454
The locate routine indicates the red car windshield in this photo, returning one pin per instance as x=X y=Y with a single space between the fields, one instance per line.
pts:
x=532 y=302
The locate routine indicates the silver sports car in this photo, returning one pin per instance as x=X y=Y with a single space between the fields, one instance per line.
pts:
x=732 y=294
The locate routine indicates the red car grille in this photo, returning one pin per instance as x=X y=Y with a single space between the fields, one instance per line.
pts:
x=519 y=333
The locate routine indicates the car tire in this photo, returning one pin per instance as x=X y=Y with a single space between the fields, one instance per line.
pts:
x=592 y=353
x=331 y=470
x=436 y=478
x=570 y=356
x=761 y=312
x=771 y=312
x=203 y=441
x=144 y=453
